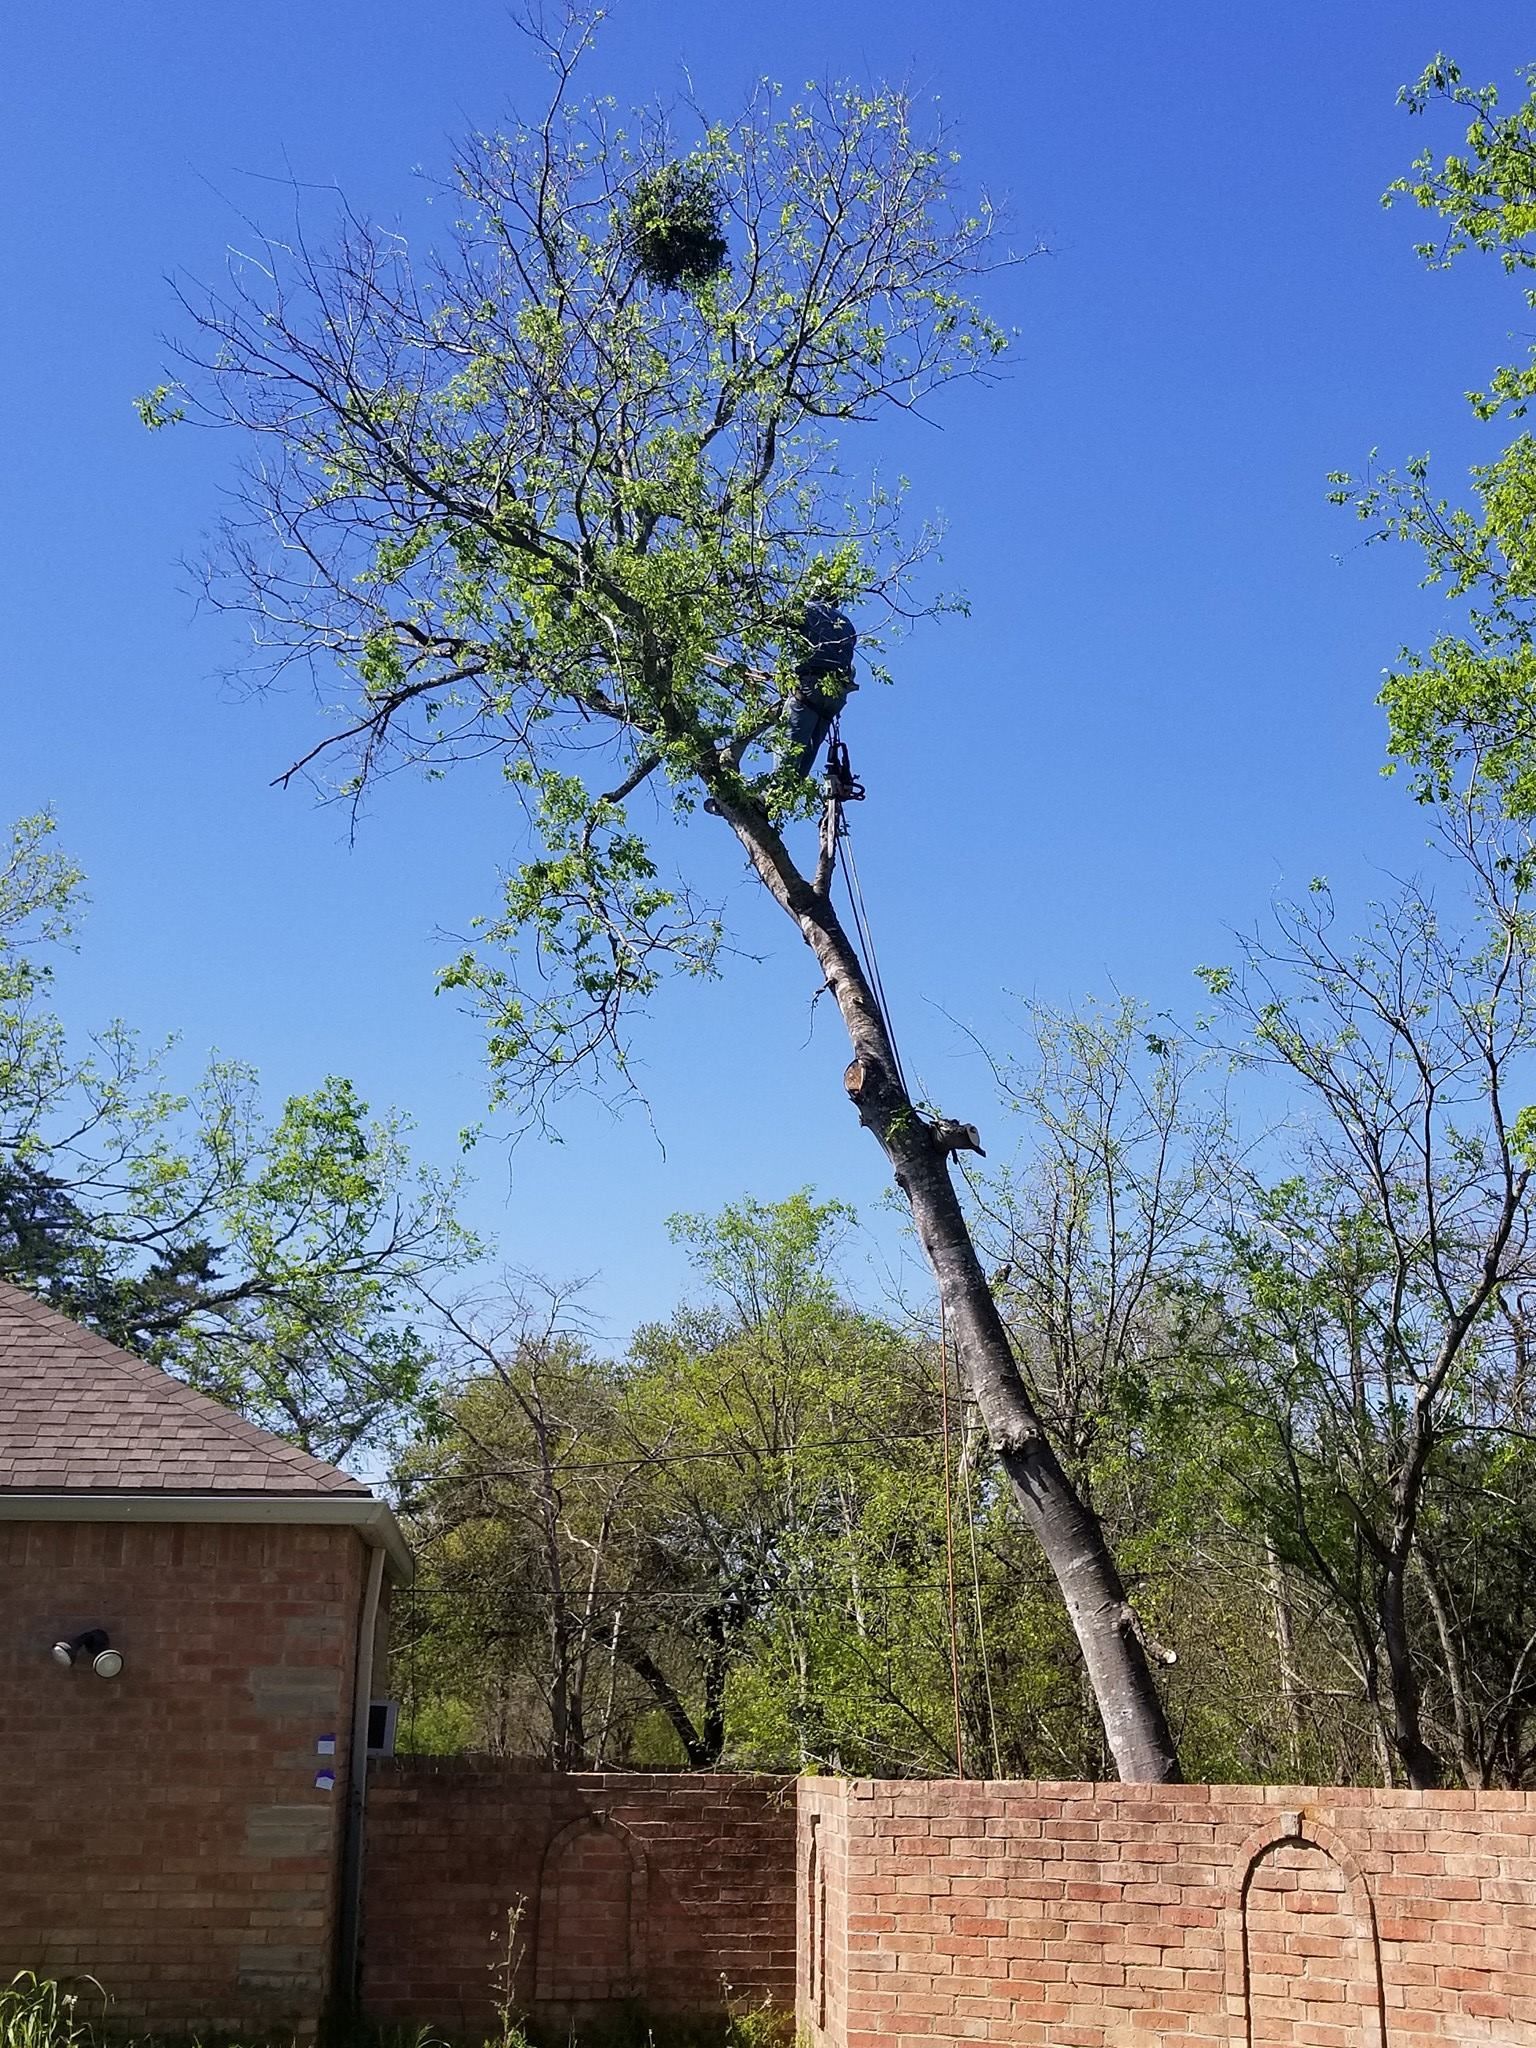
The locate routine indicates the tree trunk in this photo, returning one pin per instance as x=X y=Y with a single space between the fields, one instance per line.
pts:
x=717 y=1670
x=567 y=1742
x=1285 y=1656
x=1474 y=1767
x=613 y=1689
x=1420 y=1764
x=1383 y=1751
x=668 y=1698
x=1066 y=1529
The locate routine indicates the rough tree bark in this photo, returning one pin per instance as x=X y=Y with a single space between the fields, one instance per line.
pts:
x=1420 y=1763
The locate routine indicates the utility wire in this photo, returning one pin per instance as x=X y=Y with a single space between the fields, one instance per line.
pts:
x=866 y=939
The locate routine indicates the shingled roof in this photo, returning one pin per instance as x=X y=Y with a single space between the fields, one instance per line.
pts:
x=78 y=1416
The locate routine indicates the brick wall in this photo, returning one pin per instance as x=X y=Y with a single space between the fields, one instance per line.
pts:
x=634 y=1886
x=822 y=1907
x=1123 y=1916
x=162 y=1831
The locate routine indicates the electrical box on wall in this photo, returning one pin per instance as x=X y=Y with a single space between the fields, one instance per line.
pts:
x=382 y=1717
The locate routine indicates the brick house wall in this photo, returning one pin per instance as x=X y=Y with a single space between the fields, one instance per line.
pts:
x=634 y=1887
x=1077 y=1916
x=163 y=1831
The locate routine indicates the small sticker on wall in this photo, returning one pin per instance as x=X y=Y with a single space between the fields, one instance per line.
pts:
x=325 y=1781
x=326 y=1746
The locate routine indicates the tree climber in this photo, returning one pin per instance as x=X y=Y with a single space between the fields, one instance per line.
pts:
x=823 y=684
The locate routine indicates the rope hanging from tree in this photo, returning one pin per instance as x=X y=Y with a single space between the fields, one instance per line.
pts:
x=843 y=787
x=949 y=1539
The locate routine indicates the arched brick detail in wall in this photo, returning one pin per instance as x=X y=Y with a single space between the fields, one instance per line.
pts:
x=592 y=1915
x=815 y=1926
x=1302 y=1943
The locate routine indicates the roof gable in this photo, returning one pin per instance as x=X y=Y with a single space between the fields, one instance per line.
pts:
x=77 y=1415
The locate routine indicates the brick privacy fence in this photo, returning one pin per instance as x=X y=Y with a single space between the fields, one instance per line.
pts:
x=163 y=1831
x=634 y=1886
x=1113 y=1916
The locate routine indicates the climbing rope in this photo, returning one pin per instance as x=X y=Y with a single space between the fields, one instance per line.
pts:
x=949 y=1539
x=844 y=787
x=968 y=1471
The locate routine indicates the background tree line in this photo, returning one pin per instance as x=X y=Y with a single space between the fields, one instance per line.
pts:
x=270 y=1257
x=1271 y=1283
x=1270 y=1280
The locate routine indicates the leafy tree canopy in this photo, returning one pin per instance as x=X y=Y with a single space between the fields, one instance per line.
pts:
x=1462 y=713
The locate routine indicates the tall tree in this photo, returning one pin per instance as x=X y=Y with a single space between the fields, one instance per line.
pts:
x=1109 y=1269
x=271 y=1261
x=793 y=1438
x=515 y=1499
x=559 y=492
x=1462 y=714
x=1377 y=1282
x=1462 y=720
x=731 y=1531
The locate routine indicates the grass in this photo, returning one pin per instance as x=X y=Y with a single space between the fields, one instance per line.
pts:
x=35 y=2012
x=758 y=2028
x=39 y=2012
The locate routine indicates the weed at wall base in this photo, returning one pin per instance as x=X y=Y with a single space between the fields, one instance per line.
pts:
x=40 y=2012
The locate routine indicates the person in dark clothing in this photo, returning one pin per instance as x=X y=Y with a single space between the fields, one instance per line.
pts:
x=823 y=684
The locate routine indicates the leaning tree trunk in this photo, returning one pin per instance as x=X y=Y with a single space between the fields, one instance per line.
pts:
x=1067 y=1530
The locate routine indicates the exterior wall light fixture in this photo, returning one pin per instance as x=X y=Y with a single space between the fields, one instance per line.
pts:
x=92 y=1646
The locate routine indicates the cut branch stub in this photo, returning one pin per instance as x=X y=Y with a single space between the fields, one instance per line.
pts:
x=880 y=1100
x=952 y=1137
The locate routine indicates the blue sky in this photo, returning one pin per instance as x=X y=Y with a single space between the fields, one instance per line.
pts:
x=1159 y=712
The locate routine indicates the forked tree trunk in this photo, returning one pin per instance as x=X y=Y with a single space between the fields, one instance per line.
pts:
x=1068 y=1531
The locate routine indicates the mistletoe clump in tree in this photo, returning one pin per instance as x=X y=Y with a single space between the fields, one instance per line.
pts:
x=673 y=227
x=525 y=504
